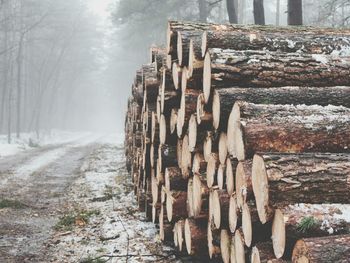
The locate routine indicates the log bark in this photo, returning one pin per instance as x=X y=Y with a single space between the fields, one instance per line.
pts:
x=295 y=222
x=199 y=165
x=287 y=128
x=167 y=156
x=169 y=96
x=204 y=115
x=165 y=227
x=227 y=68
x=165 y=134
x=279 y=179
x=211 y=145
x=224 y=99
x=322 y=249
x=150 y=82
x=183 y=45
x=213 y=244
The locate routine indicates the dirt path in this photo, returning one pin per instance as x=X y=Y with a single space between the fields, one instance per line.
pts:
x=72 y=203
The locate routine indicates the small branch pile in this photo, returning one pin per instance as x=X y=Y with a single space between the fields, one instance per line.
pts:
x=231 y=130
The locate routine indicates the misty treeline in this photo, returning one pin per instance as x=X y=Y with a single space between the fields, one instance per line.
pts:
x=48 y=50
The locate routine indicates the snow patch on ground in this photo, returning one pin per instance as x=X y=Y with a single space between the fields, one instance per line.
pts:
x=104 y=176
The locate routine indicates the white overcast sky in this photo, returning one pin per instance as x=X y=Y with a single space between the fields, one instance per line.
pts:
x=99 y=7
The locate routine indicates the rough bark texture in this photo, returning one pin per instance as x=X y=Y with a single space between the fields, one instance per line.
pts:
x=183 y=47
x=227 y=68
x=322 y=249
x=196 y=236
x=224 y=99
x=174 y=180
x=176 y=205
x=220 y=208
x=263 y=253
x=287 y=128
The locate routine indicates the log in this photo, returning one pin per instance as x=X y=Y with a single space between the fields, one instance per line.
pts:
x=305 y=40
x=244 y=188
x=177 y=75
x=165 y=227
x=183 y=45
x=239 y=247
x=280 y=179
x=158 y=56
x=150 y=82
x=220 y=201
x=174 y=180
x=212 y=166
x=186 y=158
x=221 y=176
x=227 y=68
x=224 y=99
x=190 y=197
x=200 y=197
x=203 y=112
x=213 y=236
x=195 y=237
x=188 y=106
x=196 y=134
x=199 y=165
x=291 y=223
x=231 y=165
x=286 y=128
x=225 y=245
x=179 y=153
x=176 y=205
x=173 y=121
x=155 y=129
x=165 y=134
x=222 y=147
x=179 y=234
x=169 y=96
x=233 y=212
x=211 y=145
x=322 y=249
x=156 y=190
x=263 y=253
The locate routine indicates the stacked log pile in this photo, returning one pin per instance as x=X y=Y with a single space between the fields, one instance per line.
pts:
x=237 y=139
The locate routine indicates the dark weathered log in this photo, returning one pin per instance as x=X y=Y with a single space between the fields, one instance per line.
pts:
x=204 y=114
x=263 y=253
x=158 y=57
x=174 y=180
x=322 y=249
x=196 y=237
x=165 y=227
x=287 y=128
x=155 y=129
x=227 y=68
x=280 y=179
x=137 y=92
x=244 y=188
x=305 y=40
x=220 y=201
x=224 y=99
x=291 y=223
x=200 y=193
x=176 y=205
x=211 y=145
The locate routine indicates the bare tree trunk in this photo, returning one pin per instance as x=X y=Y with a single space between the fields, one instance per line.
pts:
x=203 y=10
x=19 y=84
x=231 y=11
x=5 y=73
x=259 y=13
x=295 y=12
x=278 y=5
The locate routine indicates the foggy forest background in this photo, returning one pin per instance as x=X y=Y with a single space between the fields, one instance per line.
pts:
x=61 y=68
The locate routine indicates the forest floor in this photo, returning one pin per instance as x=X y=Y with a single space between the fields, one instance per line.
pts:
x=73 y=202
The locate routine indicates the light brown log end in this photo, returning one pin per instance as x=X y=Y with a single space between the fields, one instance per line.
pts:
x=278 y=234
x=233 y=214
x=192 y=133
x=225 y=245
x=247 y=225
x=207 y=77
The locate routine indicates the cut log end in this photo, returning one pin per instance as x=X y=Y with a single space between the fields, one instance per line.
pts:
x=179 y=47
x=240 y=185
x=173 y=120
x=232 y=124
x=247 y=225
x=200 y=108
x=216 y=110
x=190 y=197
x=222 y=148
x=233 y=216
x=191 y=58
x=162 y=129
x=207 y=77
x=260 y=187
x=239 y=247
x=188 y=237
x=184 y=77
x=207 y=146
x=169 y=207
x=221 y=176
x=211 y=169
x=278 y=234
x=255 y=256
x=175 y=72
x=216 y=209
x=225 y=244
x=192 y=133
x=230 y=183
x=198 y=190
